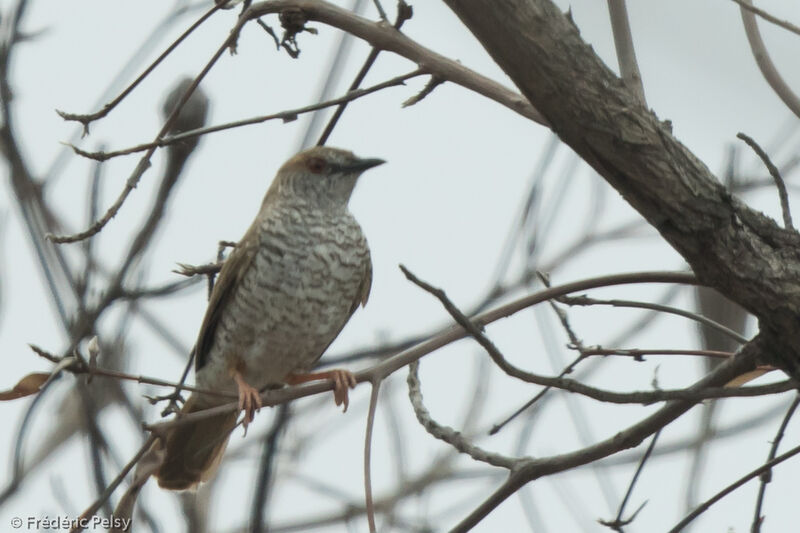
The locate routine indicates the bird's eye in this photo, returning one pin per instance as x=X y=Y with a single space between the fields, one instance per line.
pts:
x=316 y=165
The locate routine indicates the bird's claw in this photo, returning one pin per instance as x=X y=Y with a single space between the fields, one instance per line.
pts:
x=249 y=400
x=342 y=381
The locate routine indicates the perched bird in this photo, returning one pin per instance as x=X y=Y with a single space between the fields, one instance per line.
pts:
x=282 y=296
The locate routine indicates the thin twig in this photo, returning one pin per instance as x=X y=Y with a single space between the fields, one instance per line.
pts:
x=404 y=13
x=619 y=522
x=639 y=353
x=432 y=84
x=626 y=53
x=144 y=162
x=584 y=300
x=776 y=175
x=287 y=116
x=539 y=395
x=766 y=476
x=92 y=509
x=369 y=502
x=380 y=9
x=380 y=35
x=628 y=438
x=80 y=368
x=748 y=5
x=732 y=487
x=765 y=64
x=91 y=117
x=265 y=470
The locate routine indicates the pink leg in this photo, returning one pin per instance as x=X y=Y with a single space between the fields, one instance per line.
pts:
x=342 y=380
x=249 y=399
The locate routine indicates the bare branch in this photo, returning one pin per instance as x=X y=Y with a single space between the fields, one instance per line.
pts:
x=626 y=53
x=766 y=476
x=404 y=12
x=387 y=38
x=766 y=467
x=765 y=64
x=91 y=117
x=432 y=84
x=618 y=522
x=748 y=5
x=92 y=509
x=144 y=162
x=286 y=116
x=628 y=438
x=584 y=300
x=448 y=434
x=776 y=175
x=80 y=367
x=369 y=502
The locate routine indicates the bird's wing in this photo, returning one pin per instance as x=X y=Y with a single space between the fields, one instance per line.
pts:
x=230 y=276
x=361 y=299
x=363 y=290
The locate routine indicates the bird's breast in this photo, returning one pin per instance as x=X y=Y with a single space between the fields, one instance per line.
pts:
x=293 y=300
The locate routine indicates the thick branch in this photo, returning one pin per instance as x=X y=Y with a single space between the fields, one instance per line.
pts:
x=731 y=247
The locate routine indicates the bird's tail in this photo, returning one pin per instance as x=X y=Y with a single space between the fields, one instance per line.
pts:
x=192 y=451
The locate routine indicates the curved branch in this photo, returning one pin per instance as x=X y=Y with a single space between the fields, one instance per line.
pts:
x=446 y=433
x=629 y=438
x=765 y=64
x=383 y=36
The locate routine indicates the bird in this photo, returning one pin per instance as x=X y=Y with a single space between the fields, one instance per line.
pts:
x=282 y=296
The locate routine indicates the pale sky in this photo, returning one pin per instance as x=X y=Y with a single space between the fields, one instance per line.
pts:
x=458 y=168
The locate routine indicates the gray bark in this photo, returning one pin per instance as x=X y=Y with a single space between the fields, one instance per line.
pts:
x=731 y=247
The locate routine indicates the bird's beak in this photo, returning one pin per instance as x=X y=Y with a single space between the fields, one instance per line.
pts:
x=360 y=165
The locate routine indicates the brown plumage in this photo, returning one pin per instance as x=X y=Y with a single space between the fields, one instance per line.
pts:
x=282 y=296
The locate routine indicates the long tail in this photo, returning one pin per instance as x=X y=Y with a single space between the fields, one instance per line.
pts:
x=193 y=451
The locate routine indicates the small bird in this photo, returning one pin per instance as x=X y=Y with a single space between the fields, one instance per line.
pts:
x=281 y=298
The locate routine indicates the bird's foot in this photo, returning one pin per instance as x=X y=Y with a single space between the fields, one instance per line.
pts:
x=342 y=381
x=249 y=400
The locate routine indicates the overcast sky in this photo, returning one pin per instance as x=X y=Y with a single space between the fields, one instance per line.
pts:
x=459 y=166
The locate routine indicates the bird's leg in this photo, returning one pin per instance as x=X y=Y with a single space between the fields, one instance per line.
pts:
x=249 y=398
x=342 y=380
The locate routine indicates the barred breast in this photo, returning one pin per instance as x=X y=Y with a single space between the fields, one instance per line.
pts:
x=297 y=293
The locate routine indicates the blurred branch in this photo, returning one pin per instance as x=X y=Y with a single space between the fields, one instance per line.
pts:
x=92 y=509
x=144 y=162
x=765 y=64
x=87 y=119
x=766 y=467
x=766 y=476
x=286 y=116
x=618 y=522
x=586 y=301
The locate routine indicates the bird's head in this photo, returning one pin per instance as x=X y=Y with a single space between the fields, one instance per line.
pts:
x=322 y=176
